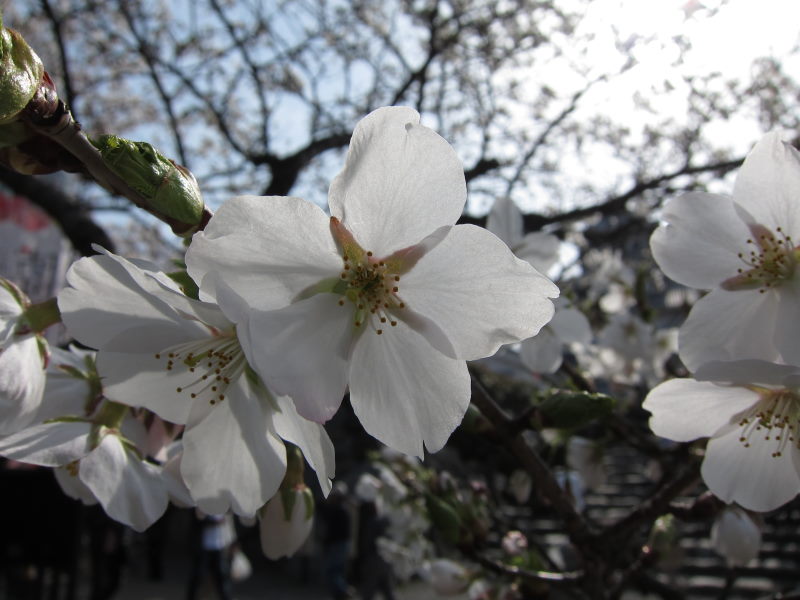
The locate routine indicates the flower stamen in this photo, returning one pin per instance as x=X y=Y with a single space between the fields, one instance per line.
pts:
x=219 y=360
x=769 y=264
x=776 y=417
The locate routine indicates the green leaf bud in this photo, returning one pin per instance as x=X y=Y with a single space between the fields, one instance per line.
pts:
x=169 y=188
x=21 y=72
x=571 y=410
x=445 y=518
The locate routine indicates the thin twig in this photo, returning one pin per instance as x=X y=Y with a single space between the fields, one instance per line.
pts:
x=546 y=482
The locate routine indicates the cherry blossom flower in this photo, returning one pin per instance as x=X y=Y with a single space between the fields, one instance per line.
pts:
x=186 y=362
x=750 y=411
x=447 y=577
x=94 y=446
x=387 y=295
x=744 y=249
x=23 y=358
x=514 y=543
x=630 y=350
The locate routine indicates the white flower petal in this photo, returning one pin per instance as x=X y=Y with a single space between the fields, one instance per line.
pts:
x=539 y=249
x=401 y=181
x=231 y=458
x=48 y=444
x=22 y=381
x=727 y=325
x=64 y=393
x=406 y=393
x=700 y=237
x=768 y=184
x=685 y=409
x=478 y=292
x=310 y=437
x=787 y=332
x=505 y=221
x=571 y=326
x=130 y=490
x=750 y=476
x=73 y=487
x=10 y=311
x=179 y=494
x=142 y=380
x=302 y=351
x=745 y=372
x=268 y=249
x=107 y=297
x=542 y=353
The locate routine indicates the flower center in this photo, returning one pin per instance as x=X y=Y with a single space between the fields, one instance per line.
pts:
x=373 y=289
x=769 y=263
x=216 y=361
x=371 y=284
x=776 y=417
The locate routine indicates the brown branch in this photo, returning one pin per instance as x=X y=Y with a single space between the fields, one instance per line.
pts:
x=251 y=67
x=535 y=221
x=56 y=24
x=654 y=506
x=546 y=483
x=286 y=170
x=147 y=54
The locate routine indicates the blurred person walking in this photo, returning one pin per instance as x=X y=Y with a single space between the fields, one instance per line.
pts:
x=214 y=537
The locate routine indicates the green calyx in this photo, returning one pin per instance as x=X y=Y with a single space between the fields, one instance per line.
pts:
x=21 y=71
x=290 y=496
x=168 y=188
x=111 y=414
x=38 y=317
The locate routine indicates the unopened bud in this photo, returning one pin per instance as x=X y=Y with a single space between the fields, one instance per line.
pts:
x=285 y=521
x=445 y=518
x=168 y=188
x=736 y=536
x=664 y=533
x=21 y=71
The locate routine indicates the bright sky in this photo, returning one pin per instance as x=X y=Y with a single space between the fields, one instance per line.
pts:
x=724 y=37
x=725 y=41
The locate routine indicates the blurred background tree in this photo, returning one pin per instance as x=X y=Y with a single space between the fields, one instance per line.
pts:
x=575 y=109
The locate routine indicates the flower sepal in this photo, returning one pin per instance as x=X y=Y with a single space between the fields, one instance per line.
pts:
x=35 y=318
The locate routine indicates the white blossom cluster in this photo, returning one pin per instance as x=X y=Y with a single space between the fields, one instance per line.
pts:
x=741 y=340
x=194 y=399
